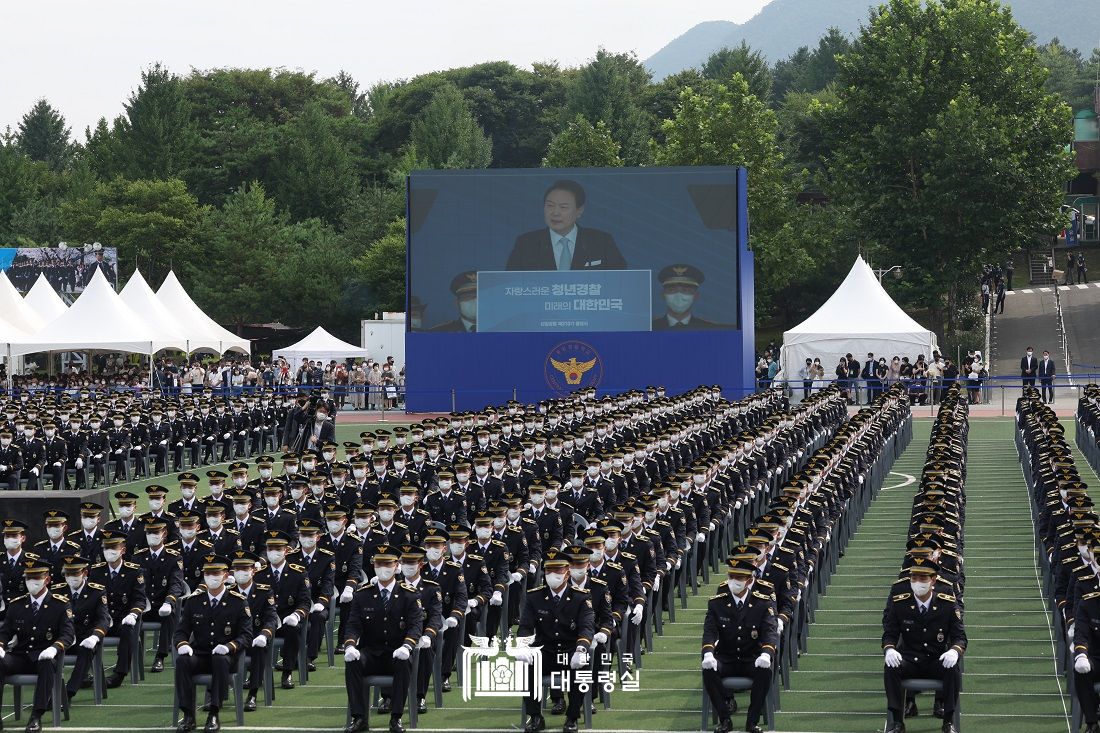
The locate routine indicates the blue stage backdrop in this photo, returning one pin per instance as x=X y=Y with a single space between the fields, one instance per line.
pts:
x=534 y=283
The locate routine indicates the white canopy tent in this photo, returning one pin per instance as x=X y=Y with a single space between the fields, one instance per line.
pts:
x=320 y=346
x=858 y=318
x=10 y=335
x=144 y=303
x=201 y=331
x=98 y=320
x=44 y=300
x=15 y=311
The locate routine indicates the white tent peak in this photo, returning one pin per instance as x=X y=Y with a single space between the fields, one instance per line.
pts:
x=144 y=303
x=203 y=333
x=14 y=310
x=319 y=345
x=44 y=300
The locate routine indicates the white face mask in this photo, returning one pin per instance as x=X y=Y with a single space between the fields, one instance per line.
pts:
x=537 y=499
x=74 y=582
x=112 y=556
x=409 y=571
x=188 y=534
x=55 y=533
x=593 y=470
x=243 y=577
x=89 y=523
x=611 y=543
x=498 y=522
x=307 y=542
x=398 y=465
x=214 y=582
x=662 y=503
x=462 y=477
x=241 y=510
x=385 y=574
x=434 y=554
x=359 y=473
x=737 y=587
x=650 y=517
x=126 y=511
x=458 y=549
x=272 y=501
x=362 y=524
x=576 y=481
x=513 y=515
x=153 y=540
x=297 y=493
x=265 y=473
x=155 y=505
x=920 y=587
x=578 y=574
x=328 y=455
x=407 y=501
x=596 y=556
x=188 y=492
x=484 y=533
x=275 y=557
x=385 y=515
x=555 y=580
x=334 y=526
x=34 y=587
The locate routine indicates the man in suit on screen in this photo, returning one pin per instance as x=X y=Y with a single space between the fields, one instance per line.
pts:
x=563 y=244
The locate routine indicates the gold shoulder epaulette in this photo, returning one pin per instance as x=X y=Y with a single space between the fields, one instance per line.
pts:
x=499 y=543
x=325 y=550
x=408 y=587
x=97 y=586
x=299 y=568
x=132 y=565
x=1089 y=596
x=945 y=597
x=762 y=596
x=536 y=588
x=901 y=597
x=597 y=581
x=454 y=564
x=261 y=586
x=615 y=565
x=59 y=597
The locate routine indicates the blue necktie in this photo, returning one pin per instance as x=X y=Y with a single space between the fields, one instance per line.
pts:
x=385 y=599
x=565 y=257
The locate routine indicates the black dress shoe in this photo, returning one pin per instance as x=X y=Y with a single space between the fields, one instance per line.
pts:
x=570 y=726
x=279 y=665
x=34 y=725
x=559 y=707
x=213 y=725
x=158 y=665
x=896 y=728
x=1094 y=728
x=755 y=729
x=357 y=725
x=911 y=708
x=87 y=683
x=725 y=725
x=447 y=685
x=312 y=667
x=422 y=706
x=288 y=681
x=250 y=703
x=114 y=680
x=396 y=726
x=534 y=724
x=187 y=724
x=206 y=703
x=384 y=705
x=949 y=727
x=937 y=710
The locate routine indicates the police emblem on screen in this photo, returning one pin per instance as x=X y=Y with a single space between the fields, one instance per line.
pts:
x=487 y=671
x=573 y=365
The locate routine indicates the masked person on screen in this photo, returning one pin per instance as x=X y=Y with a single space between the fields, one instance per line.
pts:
x=464 y=287
x=563 y=244
x=416 y=314
x=680 y=285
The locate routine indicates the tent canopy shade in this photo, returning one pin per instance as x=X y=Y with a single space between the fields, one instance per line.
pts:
x=44 y=301
x=319 y=346
x=149 y=310
x=201 y=331
x=859 y=318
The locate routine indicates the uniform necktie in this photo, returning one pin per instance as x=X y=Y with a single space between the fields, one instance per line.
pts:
x=565 y=257
x=114 y=575
x=278 y=576
x=435 y=573
x=385 y=598
x=557 y=600
x=35 y=606
x=213 y=603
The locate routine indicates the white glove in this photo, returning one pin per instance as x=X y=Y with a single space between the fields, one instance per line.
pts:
x=425 y=642
x=737 y=504
x=636 y=615
x=450 y=622
x=533 y=568
x=709 y=662
x=220 y=649
x=242 y=433
x=292 y=620
x=129 y=619
x=351 y=654
x=90 y=642
x=164 y=442
x=374 y=580
x=779 y=624
x=668 y=565
x=401 y=652
x=226 y=436
x=1069 y=631
x=48 y=653
x=1081 y=664
x=893 y=658
x=711 y=526
x=599 y=637
x=347 y=594
x=656 y=583
x=472 y=603
x=35 y=470
x=496 y=598
x=118 y=451
x=260 y=641
x=764 y=661
x=185 y=650
x=165 y=609
x=578 y=660
x=678 y=562
x=79 y=463
x=98 y=456
x=516 y=577
x=57 y=464
x=699 y=537
x=950 y=658
x=317 y=607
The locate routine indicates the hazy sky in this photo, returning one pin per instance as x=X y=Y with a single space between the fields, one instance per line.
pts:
x=85 y=57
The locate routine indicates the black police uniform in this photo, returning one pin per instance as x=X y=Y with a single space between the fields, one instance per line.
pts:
x=205 y=624
x=34 y=626
x=91 y=617
x=125 y=595
x=163 y=584
x=560 y=628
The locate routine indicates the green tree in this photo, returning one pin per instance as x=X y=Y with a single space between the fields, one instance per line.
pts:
x=381 y=272
x=155 y=134
x=811 y=71
x=730 y=126
x=610 y=88
x=947 y=149
x=725 y=62
x=446 y=135
x=43 y=136
x=801 y=135
x=18 y=184
x=152 y=222
x=1068 y=77
x=580 y=145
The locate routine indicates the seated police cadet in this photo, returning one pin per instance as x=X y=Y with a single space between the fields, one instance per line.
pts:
x=91 y=619
x=125 y=584
x=740 y=639
x=561 y=619
x=261 y=603
x=922 y=636
x=37 y=628
x=215 y=626
x=291 y=586
x=385 y=623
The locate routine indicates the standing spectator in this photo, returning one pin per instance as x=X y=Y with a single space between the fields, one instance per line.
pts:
x=358 y=381
x=1008 y=273
x=1082 y=271
x=806 y=375
x=1028 y=366
x=985 y=297
x=340 y=381
x=773 y=367
x=894 y=372
x=869 y=377
x=1070 y=267
x=817 y=374
x=1046 y=377
x=842 y=379
x=853 y=379
x=374 y=387
x=1000 y=307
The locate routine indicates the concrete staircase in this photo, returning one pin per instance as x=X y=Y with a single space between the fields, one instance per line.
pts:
x=1040 y=273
